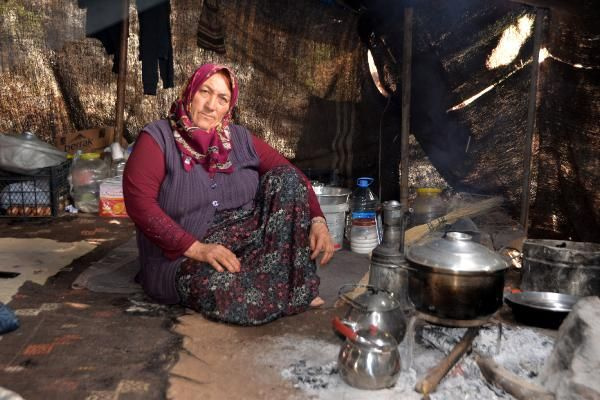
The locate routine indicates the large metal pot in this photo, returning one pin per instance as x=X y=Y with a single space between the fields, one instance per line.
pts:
x=455 y=278
x=561 y=266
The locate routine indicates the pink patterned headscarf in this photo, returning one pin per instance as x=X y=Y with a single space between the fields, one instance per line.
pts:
x=208 y=148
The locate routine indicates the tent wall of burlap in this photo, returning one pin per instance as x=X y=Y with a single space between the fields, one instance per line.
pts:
x=307 y=90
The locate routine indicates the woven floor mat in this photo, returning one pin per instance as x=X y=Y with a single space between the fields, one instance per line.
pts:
x=85 y=345
x=115 y=272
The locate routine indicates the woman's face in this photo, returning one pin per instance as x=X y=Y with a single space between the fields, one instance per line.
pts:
x=211 y=102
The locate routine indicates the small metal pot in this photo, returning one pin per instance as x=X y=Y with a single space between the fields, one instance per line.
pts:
x=369 y=358
x=377 y=308
x=455 y=278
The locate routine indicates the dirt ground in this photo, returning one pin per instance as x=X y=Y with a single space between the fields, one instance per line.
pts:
x=78 y=344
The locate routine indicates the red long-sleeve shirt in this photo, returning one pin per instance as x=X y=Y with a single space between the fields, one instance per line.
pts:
x=143 y=177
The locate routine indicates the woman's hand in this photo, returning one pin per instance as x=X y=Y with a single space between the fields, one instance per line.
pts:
x=218 y=256
x=320 y=241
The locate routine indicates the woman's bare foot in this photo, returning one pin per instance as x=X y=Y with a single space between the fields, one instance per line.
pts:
x=317 y=302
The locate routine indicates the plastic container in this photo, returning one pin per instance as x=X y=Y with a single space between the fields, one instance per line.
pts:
x=118 y=160
x=335 y=214
x=86 y=173
x=26 y=154
x=334 y=204
x=428 y=205
x=117 y=168
x=44 y=194
x=364 y=234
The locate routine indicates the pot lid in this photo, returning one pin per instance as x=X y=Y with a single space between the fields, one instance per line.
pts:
x=456 y=253
x=378 y=301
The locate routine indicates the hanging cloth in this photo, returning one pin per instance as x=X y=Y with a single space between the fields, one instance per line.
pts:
x=103 y=21
x=156 y=50
x=210 y=28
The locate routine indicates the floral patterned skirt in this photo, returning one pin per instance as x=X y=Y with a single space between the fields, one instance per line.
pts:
x=277 y=276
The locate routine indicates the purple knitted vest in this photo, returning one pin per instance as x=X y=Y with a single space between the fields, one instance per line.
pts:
x=191 y=199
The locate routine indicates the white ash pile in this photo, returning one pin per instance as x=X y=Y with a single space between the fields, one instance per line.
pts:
x=572 y=369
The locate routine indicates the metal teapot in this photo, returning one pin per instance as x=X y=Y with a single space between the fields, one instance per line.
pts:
x=389 y=268
x=375 y=307
x=369 y=359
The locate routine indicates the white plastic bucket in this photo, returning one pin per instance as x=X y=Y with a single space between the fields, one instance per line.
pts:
x=365 y=240
x=335 y=214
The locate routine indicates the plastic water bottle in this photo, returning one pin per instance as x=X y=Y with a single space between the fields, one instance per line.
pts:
x=364 y=235
x=86 y=173
x=118 y=159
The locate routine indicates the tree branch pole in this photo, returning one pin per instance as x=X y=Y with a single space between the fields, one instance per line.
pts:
x=122 y=77
x=533 y=86
x=406 y=87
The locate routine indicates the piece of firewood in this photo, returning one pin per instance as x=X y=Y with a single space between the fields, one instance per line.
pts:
x=429 y=383
x=512 y=384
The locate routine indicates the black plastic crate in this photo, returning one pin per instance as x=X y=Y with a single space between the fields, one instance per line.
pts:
x=45 y=194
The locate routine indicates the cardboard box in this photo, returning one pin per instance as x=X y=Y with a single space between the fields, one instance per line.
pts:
x=89 y=140
x=111 y=203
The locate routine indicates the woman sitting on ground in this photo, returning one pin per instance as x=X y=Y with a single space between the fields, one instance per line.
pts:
x=225 y=224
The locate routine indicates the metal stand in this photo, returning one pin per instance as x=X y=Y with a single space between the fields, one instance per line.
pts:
x=419 y=319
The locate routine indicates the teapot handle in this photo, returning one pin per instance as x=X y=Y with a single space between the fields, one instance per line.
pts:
x=345 y=330
x=349 y=300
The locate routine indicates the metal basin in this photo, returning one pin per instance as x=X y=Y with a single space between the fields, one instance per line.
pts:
x=546 y=309
x=561 y=266
x=329 y=195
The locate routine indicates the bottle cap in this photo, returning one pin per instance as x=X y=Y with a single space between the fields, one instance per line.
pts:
x=364 y=181
x=90 y=156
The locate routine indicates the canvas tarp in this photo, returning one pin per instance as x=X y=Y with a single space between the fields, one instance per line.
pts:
x=307 y=90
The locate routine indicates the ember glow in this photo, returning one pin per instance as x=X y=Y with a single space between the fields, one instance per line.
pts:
x=510 y=43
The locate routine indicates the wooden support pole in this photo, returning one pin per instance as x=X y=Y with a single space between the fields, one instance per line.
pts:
x=122 y=77
x=533 y=86
x=406 y=87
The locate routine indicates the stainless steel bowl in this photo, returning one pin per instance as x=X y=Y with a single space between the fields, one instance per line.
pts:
x=329 y=195
x=547 y=301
